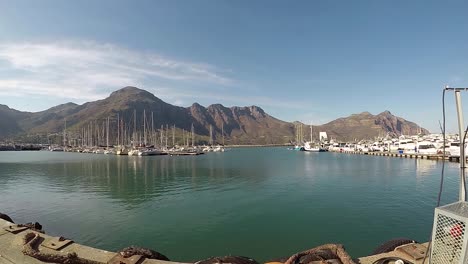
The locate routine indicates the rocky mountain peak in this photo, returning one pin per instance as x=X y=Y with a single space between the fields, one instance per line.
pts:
x=131 y=91
x=386 y=113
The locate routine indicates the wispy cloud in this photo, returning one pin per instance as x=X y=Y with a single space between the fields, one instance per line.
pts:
x=82 y=71
x=87 y=70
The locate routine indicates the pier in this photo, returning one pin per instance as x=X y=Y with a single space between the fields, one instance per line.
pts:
x=404 y=155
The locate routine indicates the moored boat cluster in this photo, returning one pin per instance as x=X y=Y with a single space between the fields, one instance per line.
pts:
x=432 y=144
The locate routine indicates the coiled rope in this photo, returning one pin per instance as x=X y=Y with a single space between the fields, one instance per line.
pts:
x=30 y=248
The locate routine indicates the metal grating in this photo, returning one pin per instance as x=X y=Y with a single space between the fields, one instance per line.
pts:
x=459 y=208
x=447 y=240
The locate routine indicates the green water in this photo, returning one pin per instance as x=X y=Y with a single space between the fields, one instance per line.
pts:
x=257 y=202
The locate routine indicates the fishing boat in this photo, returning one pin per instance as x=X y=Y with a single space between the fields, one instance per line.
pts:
x=312 y=147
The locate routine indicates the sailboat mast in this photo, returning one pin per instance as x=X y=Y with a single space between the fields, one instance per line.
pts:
x=162 y=134
x=297 y=133
x=134 y=127
x=89 y=134
x=173 y=135
x=193 y=134
x=211 y=135
x=144 y=126
x=153 y=137
x=118 y=129
x=65 y=134
x=167 y=128
x=107 y=135
x=311 y=138
x=222 y=131
x=302 y=133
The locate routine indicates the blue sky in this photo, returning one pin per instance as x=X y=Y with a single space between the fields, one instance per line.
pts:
x=312 y=61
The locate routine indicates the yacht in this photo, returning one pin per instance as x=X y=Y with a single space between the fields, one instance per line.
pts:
x=454 y=149
x=426 y=147
x=407 y=145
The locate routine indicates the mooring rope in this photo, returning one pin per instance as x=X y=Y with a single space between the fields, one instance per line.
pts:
x=30 y=248
x=336 y=249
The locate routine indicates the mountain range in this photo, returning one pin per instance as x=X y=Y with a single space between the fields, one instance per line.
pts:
x=237 y=125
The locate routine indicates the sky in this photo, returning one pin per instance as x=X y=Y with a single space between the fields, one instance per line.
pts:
x=312 y=61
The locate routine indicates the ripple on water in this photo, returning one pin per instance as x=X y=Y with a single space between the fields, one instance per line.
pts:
x=279 y=201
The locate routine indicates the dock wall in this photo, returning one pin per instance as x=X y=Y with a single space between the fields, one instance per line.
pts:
x=404 y=155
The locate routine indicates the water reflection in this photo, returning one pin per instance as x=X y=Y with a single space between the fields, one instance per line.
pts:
x=133 y=180
x=425 y=167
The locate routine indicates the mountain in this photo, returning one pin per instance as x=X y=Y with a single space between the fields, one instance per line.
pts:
x=367 y=126
x=9 y=121
x=126 y=108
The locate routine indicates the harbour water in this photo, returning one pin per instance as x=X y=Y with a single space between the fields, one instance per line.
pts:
x=257 y=202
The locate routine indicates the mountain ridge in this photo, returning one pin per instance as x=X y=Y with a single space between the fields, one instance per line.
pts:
x=236 y=124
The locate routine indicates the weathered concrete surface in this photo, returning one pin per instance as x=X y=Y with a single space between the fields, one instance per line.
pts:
x=12 y=244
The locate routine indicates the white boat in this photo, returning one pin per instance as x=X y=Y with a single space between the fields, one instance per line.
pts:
x=376 y=147
x=133 y=152
x=109 y=151
x=98 y=151
x=312 y=147
x=454 y=149
x=334 y=147
x=427 y=148
x=207 y=149
x=218 y=149
x=56 y=149
x=407 y=145
x=362 y=148
x=349 y=147
x=149 y=152
x=122 y=151
x=394 y=147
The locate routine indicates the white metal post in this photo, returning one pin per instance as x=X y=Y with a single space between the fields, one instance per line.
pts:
x=461 y=131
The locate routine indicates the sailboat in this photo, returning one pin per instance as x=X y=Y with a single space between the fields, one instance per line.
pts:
x=311 y=146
